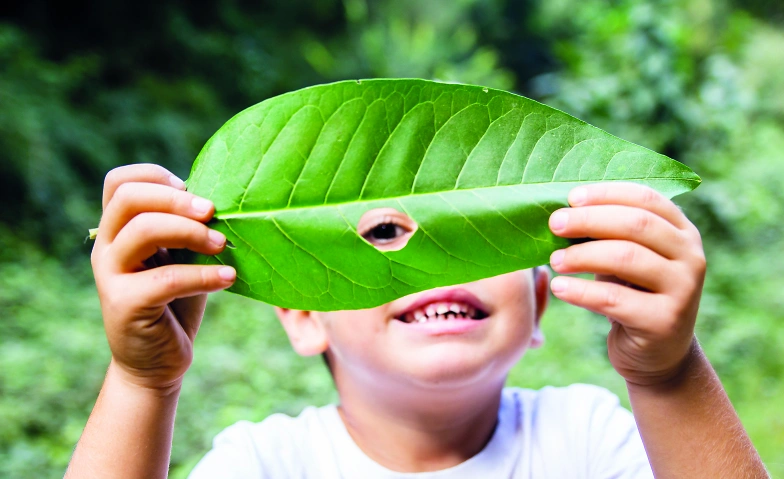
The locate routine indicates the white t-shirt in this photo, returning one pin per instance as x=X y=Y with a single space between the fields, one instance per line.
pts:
x=576 y=432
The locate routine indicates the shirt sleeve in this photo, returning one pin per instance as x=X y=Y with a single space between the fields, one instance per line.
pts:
x=232 y=456
x=582 y=432
x=249 y=450
x=615 y=448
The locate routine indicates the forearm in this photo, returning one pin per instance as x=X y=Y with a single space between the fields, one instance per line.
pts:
x=129 y=433
x=690 y=428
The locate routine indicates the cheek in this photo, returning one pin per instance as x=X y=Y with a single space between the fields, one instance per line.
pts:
x=514 y=294
x=515 y=299
x=353 y=336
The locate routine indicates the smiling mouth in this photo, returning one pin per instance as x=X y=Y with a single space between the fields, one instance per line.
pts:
x=443 y=311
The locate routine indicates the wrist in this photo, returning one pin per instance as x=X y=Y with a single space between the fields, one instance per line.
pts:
x=135 y=385
x=674 y=378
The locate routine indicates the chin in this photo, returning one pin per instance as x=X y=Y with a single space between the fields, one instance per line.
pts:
x=455 y=369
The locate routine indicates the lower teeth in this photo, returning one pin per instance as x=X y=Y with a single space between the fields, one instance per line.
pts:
x=441 y=317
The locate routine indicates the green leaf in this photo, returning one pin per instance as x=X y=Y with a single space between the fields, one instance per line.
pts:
x=478 y=170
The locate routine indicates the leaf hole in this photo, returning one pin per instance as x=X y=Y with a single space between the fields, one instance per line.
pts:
x=229 y=244
x=387 y=229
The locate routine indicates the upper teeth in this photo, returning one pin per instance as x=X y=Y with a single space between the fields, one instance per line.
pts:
x=440 y=311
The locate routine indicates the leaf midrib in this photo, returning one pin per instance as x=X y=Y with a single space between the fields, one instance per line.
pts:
x=252 y=214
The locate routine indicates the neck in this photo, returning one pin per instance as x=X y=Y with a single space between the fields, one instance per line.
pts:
x=423 y=430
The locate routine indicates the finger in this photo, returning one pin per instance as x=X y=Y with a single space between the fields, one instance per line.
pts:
x=614 y=279
x=141 y=238
x=631 y=308
x=161 y=258
x=141 y=173
x=621 y=223
x=630 y=194
x=132 y=199
x=161 y=286
x=624 y=259
x=190 y=312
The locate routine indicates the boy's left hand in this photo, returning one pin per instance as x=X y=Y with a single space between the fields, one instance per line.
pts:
x=649 y=266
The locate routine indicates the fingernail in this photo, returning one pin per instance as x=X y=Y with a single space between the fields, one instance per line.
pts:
x=578 y=196
x=201 y=206
x=557 y=257
x=558 y=220
x=558 y=284
x=227 y=273
x=176 y=182
x=216 y=237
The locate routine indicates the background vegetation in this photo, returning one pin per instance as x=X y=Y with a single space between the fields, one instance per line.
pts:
x=89 y=85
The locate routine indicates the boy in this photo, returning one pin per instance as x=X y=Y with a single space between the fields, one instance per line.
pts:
x=423 y=395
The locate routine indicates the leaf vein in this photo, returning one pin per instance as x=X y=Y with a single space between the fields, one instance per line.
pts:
x=446 y=251
x=244 y=214
x=506 y=155
x=310 y=152
x=348 y=148
x=259 y=253
x=264 y=155
x=478 y=230
x=432 y=140
x=462 y=167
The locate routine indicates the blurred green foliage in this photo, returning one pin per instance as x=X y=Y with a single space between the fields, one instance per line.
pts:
x=86 y=86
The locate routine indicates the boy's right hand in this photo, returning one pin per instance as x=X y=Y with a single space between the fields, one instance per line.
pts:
x=152 y=308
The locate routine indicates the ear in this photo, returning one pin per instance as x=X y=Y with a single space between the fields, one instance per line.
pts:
x=305 y=330
x=542 y=294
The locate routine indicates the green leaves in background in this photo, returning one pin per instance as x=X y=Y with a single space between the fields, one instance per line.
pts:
x=151 y=81
x=478 y=170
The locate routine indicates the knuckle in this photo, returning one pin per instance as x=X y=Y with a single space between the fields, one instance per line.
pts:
x=206 y=277
x=649 y=197
x=599 y=192
x=149 y=172
x=175 y=200
x=143 y=225
x=685 y=287
x=700 y=262
x=681 y=239
x=155 y=170
x=580 y=219
x=695 y=232
x=200 y=234
x=612 y=296
x=189 y=233
x=112 y=177
x=580 y=292
x=695 y=253
x=640 y=223
x=168 y=279
x=123 y=193
x=625 y=256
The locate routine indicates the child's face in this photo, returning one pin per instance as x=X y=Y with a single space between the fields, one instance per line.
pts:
x=392 y=344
